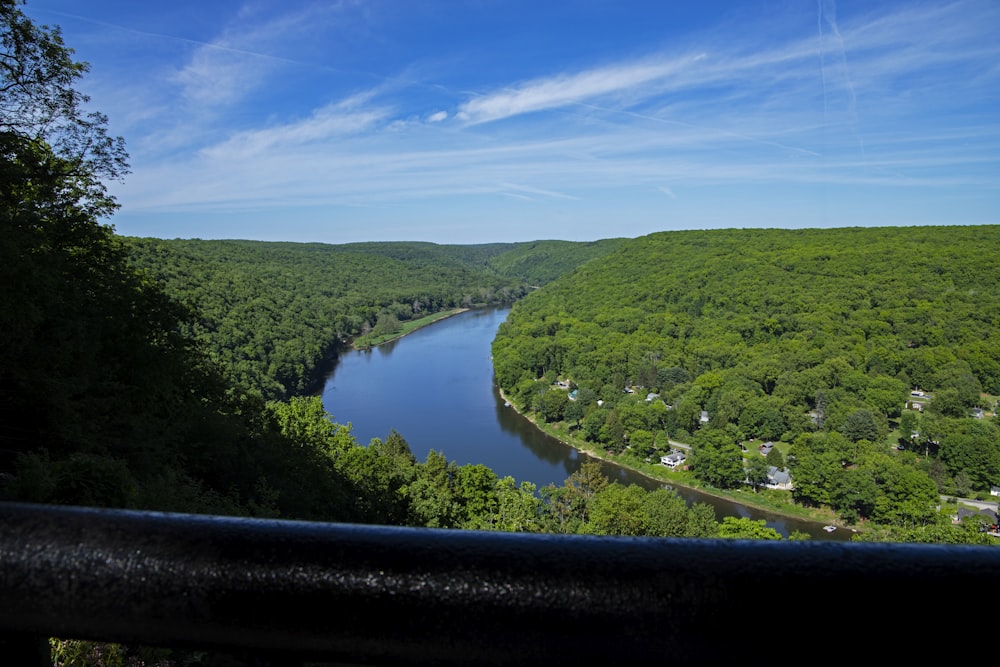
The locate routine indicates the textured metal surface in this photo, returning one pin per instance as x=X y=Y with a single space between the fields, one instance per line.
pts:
x=394 y=595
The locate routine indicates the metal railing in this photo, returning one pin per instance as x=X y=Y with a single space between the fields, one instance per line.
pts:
x=379 y=595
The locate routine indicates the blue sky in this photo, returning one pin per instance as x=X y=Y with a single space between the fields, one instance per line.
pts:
x=480 y=121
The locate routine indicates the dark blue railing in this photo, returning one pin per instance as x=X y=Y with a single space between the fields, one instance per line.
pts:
x=379 y=595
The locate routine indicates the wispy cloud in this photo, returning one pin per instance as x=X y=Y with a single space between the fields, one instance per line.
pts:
x=566 y=89
x=251 y=48
x=346 y=117
x=901 y=99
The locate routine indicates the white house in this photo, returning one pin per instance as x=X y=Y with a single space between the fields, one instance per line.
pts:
x=673 y=459
x=778 y=479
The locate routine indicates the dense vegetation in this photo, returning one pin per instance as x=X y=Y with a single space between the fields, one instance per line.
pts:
x=272 y=313
x=811 y=337
x=163 y=374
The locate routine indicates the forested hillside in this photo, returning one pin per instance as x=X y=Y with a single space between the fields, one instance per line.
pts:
x=120 y=355
x=811 y=337
x=541 y=262
x=271 y=313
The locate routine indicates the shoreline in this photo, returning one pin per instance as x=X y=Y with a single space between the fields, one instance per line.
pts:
x=715 y=493
x=431 y=319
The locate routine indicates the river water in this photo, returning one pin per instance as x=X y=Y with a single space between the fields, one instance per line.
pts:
x=435 y=387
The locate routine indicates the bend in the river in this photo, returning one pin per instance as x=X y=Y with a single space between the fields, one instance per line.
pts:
x=436 y=387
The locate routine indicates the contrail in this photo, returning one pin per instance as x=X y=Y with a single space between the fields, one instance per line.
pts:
x=822 y=57
x=828 y=13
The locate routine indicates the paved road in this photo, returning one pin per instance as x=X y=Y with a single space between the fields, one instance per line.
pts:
x=981 y=504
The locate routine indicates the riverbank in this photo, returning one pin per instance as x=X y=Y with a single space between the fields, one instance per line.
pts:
x=407 y=327
x=765 y=500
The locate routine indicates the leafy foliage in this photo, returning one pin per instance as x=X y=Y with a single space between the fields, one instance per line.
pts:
x=777 y=334
x=271 y=313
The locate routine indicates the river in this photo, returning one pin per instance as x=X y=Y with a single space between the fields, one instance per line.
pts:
x=435 y=387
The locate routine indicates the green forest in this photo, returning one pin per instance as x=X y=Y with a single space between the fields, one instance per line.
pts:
x=173 y=374
x=169 y=375
x=870 y=356
x=272 y=314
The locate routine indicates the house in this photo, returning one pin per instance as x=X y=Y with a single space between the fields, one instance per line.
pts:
x=778 y=479
x=651 y=397
x=673 y=459
x=988 y=517
x=995 y=490
x=977 y=413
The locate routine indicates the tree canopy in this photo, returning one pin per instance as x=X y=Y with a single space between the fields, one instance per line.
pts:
x=717 y=337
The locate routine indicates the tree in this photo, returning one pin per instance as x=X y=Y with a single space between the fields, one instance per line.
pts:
x=701 y=521
x=718 y=460
x=744 y=528
x=306 y=423
x=518 y=508
x=860 y=425
x=618 y=510
x=854 y=494
x=757 y=472
x=574 y=412
x=948 y=402
x=386 y=325
x=775 y=458
x=40 y=106
x=476 y=495
x=641 y=442
x=908 y=425
x=593 y=423
x=94 y=359
x=552 y=404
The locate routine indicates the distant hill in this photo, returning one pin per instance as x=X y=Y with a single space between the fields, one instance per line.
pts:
x=270 y=313
x=534 y=262
x=541 y=262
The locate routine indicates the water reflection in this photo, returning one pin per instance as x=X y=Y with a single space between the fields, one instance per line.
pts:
x=436 y=387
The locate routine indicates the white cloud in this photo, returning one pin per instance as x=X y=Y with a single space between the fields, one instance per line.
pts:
x=730 y=113
x=576 y=88
x=250 y=49
x=346 y=117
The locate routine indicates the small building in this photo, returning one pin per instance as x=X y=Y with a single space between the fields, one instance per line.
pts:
x=673 y=459
x=778 y=479
x=704 y=417
x=766 y=448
